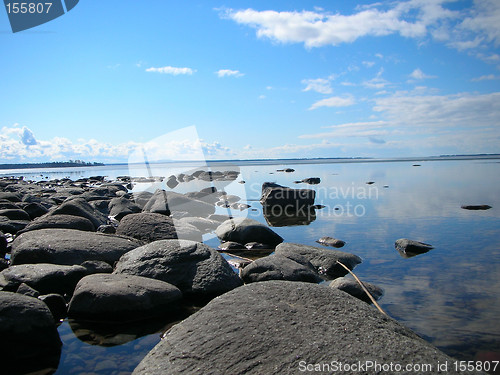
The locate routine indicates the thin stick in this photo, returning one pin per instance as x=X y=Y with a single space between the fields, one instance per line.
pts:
x=364 y=288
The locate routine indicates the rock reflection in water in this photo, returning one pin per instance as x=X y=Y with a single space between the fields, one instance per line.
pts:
x=283 y=217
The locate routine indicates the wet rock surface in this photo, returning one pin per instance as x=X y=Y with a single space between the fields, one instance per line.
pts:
x=193 y=267
x=121 y=297
x=274 y=327
x=245 y=230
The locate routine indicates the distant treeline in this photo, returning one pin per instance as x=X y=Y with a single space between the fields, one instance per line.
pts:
x=54 y=164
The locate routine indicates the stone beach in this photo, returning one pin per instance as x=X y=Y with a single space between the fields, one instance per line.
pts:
x=114 y=256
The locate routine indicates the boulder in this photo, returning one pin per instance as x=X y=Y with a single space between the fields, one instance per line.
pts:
x=45 y=278
x=187 y=231
x=12 y=226
x=311 y=180
x=28 y=335
x=277 y=267
x=56 y=304
x=120 y=297
x=15 y=214
x=191 y=266
x=68 y=247
x=354 y=289
x=35 y=210
x=147 y=227
x=202 y=224
x=120 y=207
x=245 y=230
x=80 y=207
x=409 y=248
x=323 y=260
x=157 y=203
x=27 y=290
x=59 y=221
x=283 y=327
x=3 y=243
x=330 y=241
x=10 y=196
x=274 y=195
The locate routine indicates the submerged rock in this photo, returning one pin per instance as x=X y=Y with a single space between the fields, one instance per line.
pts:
x=476 y=207
x=119 y=297
x=245 y=230
x=354 y=289
x=330 y=241
x=323 y=260
x=193 y=267
x=409 y=248
x=280 y=327
x=277 y=267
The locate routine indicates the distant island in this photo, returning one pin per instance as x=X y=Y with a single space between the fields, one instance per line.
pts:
x=53 y=164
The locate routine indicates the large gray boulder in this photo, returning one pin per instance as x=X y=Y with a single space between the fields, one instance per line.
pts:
x=167 y=202
x=281 y=327
x=147 y=227
x=60 y=221
x=277 y=267
x=354 y=289
x=245 y=230
x=193 y=267
x=15 y=214
x=119 y=297
x=286 y=198
x=28 y=335
x=120 y=207
x=324 y=260
x=80 y=207
x=45 y=278
x=68 y=247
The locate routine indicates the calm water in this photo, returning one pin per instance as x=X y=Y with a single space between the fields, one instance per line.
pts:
x=450 y=295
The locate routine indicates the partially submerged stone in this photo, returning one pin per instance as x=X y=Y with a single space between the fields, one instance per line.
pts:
x=409 y=248
x=245 y=230
x=354 y=289
x=119 y=297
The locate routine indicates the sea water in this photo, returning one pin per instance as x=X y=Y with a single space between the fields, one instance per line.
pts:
x=450 y=295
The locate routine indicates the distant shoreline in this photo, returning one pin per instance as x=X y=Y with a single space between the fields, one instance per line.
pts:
x=259 y=161
x=56 y=164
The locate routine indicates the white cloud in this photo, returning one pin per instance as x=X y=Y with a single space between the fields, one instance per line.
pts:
x=468 y=28
x=433 y=111
x=368 y=64
x=171 y=70
x=418 y=74
x=229 y=73
x=378 y=82
x=334 y=101
x=321 y=85
x=489 y=77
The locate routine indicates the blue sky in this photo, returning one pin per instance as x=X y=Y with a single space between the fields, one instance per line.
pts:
x=253 y=79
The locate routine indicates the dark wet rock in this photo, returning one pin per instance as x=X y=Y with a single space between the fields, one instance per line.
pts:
x=5 y=204
x=245 y=230
x=141 y=198
x=476 y=207
x=274 y=327
x=354 y=289
x=56 y=304
x=101 y=205
x=12 y=197
x=282 y=196
x=311 y=180
x=26 y=290
x=287 y=170
x=370 y=182
x=68 y=247
x=107 y=229
x=28 y=335
x=60 y=221
x=230 y=245
x=35 y=210
x=45 y=278
x=120 y=207
x=3 y=243
x=193 y=267
x=277 y=267
x=323 y=260
x=172 y=182
x=80 y=207
x=121 y=297
x=96 y=266
x=157 y=203
x=15 y=214
x=12 y=226
x=4 y=264
x=330 y=241
x=147 y=227
x=409 y=248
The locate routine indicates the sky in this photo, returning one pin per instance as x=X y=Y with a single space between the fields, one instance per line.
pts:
x=251 y=80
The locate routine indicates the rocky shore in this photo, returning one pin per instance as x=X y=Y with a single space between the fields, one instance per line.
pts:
x=95 y=251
